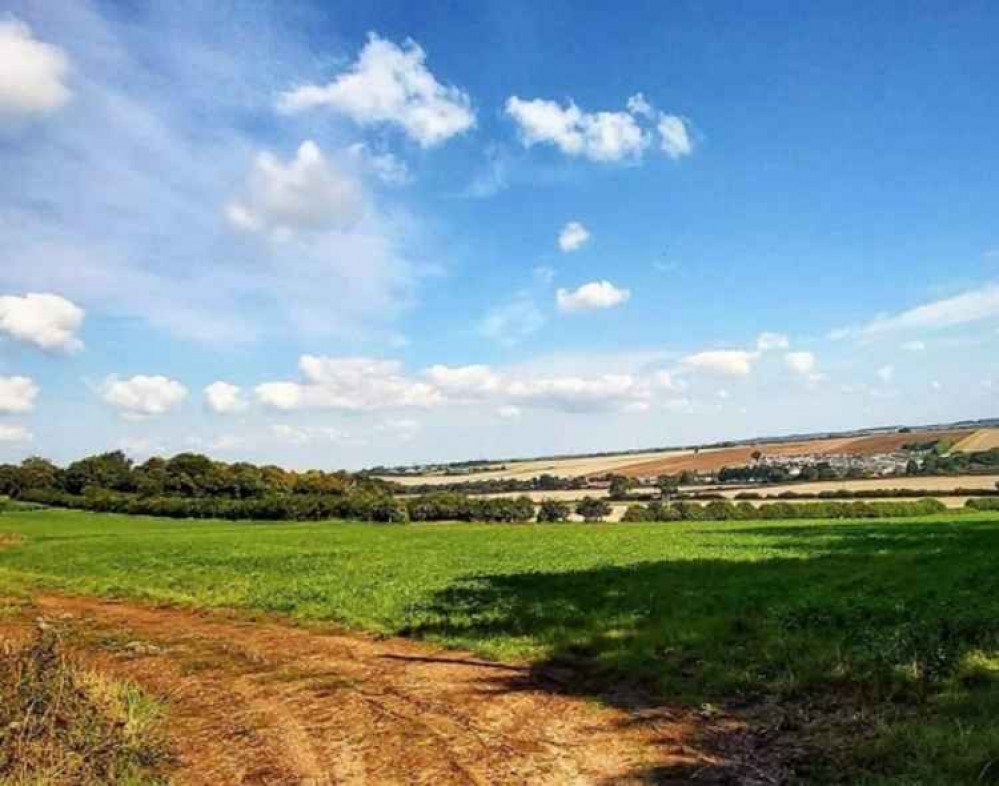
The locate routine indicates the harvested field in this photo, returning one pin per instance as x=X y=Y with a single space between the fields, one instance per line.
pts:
x=983 y=439
x=943 y=483
x=705 y=461
x=525 y=470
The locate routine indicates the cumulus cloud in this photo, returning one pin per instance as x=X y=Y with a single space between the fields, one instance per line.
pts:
x=599 y=136
x=800 y=362
x=349 y=383
x=17 y=395
x=674 y=137
x=32 y=74
x=15 y=433
x=974 y=305
x=474 y=380
x=573 y=236
x=729 y=362
x=390 y=85
x=224 y=398
x=307 y=193
x=45 y=320
x=306 y=435
x=142 y=396
x=594 y=295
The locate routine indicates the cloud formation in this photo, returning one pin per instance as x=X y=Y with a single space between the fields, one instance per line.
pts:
x=307 y=193
x=224 y=398
x=15 y=433
x=390 y=85
x=594 y=295
x=32 y=74
x=973 y=305
x=606 y=137
x=142 y=396
x=17 y=395
x=727 y=362
x=44 y=320
x=573 y=236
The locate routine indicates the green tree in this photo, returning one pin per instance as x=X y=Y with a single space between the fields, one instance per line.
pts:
x=593 y=508
x=667 y=485
x=553 y=510
x=620 y=486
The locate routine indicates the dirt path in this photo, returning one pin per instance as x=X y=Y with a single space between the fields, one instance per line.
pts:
x=266 y=703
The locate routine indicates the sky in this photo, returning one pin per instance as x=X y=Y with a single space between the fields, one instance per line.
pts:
x=379 y=233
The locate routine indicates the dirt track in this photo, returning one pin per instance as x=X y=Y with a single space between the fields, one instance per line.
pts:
x=265 y=703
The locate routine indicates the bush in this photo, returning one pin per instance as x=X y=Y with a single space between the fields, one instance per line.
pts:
x=553 y=510
x=593 y=509
x=984 y=504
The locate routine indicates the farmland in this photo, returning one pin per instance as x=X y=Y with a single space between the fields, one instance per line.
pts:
x=877 y=643
x=709 y=458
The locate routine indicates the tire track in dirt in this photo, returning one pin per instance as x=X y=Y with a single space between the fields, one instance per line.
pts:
x=268 y=703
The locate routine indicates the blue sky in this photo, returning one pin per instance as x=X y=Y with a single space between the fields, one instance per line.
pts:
x=347 y=234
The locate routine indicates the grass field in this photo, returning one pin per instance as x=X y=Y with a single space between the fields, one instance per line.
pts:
x=884 y=636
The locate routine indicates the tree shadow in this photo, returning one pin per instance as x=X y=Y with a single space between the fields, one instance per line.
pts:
x=866 y=615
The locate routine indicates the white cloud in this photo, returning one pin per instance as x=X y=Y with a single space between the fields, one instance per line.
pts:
x=730 y=362
x=307 y=193
x=474 y=380
x=573 y=236
x=579 y=394
x=935 y=384
x=637 y=105
x=800 y=362
x=45 y=320
x=224 y=398
x=512 y=322
x=32 y=73
x=768 y=341
x=17 y=395
x=974 y=305
x=16 y=433
x=389 y=84
x=141 y=395
x=914 y=346
x=599 y=136
x=596 y=294
x=351 y=384
x=676 y=142
x=509 y=411
x=544 y=274
x=886 y=373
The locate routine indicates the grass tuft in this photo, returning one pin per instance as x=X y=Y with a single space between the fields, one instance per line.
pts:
x=61 y=723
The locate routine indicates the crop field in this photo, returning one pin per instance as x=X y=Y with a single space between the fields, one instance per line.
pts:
x=570 y=467
x=880 y=638
x=983 y=439
x=929 y=483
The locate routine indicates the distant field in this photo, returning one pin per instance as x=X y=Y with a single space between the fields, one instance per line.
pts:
x=730 y=457
x=983 y=439
x=525 y=470
x=942 y=483
x=674 y=461
x=895 y=623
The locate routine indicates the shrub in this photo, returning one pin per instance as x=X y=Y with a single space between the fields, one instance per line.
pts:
x=990 y=503
x=553 y=510
x=593 y=509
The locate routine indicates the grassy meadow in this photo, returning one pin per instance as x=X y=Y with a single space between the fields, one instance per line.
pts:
x=885 y=633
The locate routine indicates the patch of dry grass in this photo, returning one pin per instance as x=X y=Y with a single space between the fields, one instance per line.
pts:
x=62 y=723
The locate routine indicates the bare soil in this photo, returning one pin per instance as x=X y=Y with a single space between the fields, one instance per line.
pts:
x=260 y=702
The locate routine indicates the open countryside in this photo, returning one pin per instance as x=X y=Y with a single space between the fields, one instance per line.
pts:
x=499 y=393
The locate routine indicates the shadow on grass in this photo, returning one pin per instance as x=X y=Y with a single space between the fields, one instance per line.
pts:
x=873 y=617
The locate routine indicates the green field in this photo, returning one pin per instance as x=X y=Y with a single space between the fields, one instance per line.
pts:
x=885 y=631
